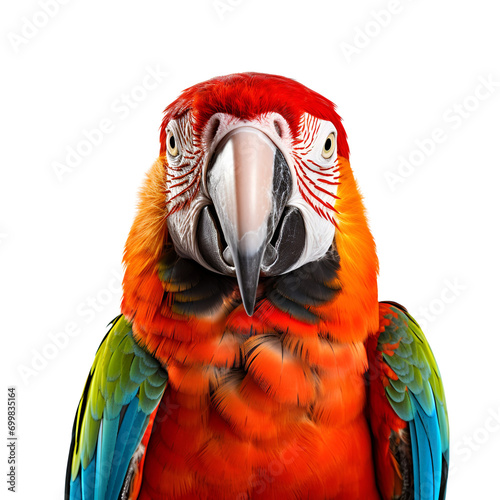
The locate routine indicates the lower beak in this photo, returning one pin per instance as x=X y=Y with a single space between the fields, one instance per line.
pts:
x=249 y=183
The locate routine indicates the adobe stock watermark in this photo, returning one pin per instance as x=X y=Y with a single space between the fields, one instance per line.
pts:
x=371 y=29
x=32 y=25
x=223 y=7
x=57 y=341
x=450 y=292
x=121 y=108
x=260 y=480
x=465 y=448
x=452 y=118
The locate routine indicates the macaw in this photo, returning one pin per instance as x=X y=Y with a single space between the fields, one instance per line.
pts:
x=252 y=359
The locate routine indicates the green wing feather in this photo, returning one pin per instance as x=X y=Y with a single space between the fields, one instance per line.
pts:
x=418 y=373
x=405 y=385
x=123 y=377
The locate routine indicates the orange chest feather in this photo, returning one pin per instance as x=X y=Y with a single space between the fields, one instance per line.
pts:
x=276 y=398
x=261 y=413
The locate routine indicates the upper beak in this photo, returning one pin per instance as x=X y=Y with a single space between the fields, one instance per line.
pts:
x=249 y=183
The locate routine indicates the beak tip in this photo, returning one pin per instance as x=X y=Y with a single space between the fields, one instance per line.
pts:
x=247 y=272
x=248 y=293
x=249 y=306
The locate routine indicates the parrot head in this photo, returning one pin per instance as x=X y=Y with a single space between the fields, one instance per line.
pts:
x=256 y=183
x=252 y=176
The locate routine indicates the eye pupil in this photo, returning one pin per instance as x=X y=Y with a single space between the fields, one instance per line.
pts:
x=172 y=142
x=329 y=147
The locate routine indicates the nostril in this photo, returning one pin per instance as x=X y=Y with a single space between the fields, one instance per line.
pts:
x=277 y=127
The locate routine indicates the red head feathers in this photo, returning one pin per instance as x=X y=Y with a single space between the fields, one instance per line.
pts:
x=248 y=95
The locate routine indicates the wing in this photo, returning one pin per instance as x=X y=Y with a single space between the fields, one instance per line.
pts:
x=407 y=410
x=123 y=390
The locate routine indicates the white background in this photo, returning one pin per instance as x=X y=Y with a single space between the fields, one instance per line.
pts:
x=61 y=239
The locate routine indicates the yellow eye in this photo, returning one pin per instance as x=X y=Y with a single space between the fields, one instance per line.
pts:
x=172 y=148
x=329 y=146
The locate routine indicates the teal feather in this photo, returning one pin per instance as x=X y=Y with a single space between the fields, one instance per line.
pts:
x=417 y=397
x=124 y=387
x=88 y=477
x=131 y=430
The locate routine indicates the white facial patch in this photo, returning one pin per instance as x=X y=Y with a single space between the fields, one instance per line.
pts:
x=315 y=178
x=315 y=185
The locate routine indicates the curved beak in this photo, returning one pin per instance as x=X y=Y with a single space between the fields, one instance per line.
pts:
x=249 y=183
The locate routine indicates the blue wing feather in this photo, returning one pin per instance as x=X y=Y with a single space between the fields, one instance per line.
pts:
x=428 y=463
x=87 y=482
x=113 y=415
x=417 y=398
x=132 y=429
